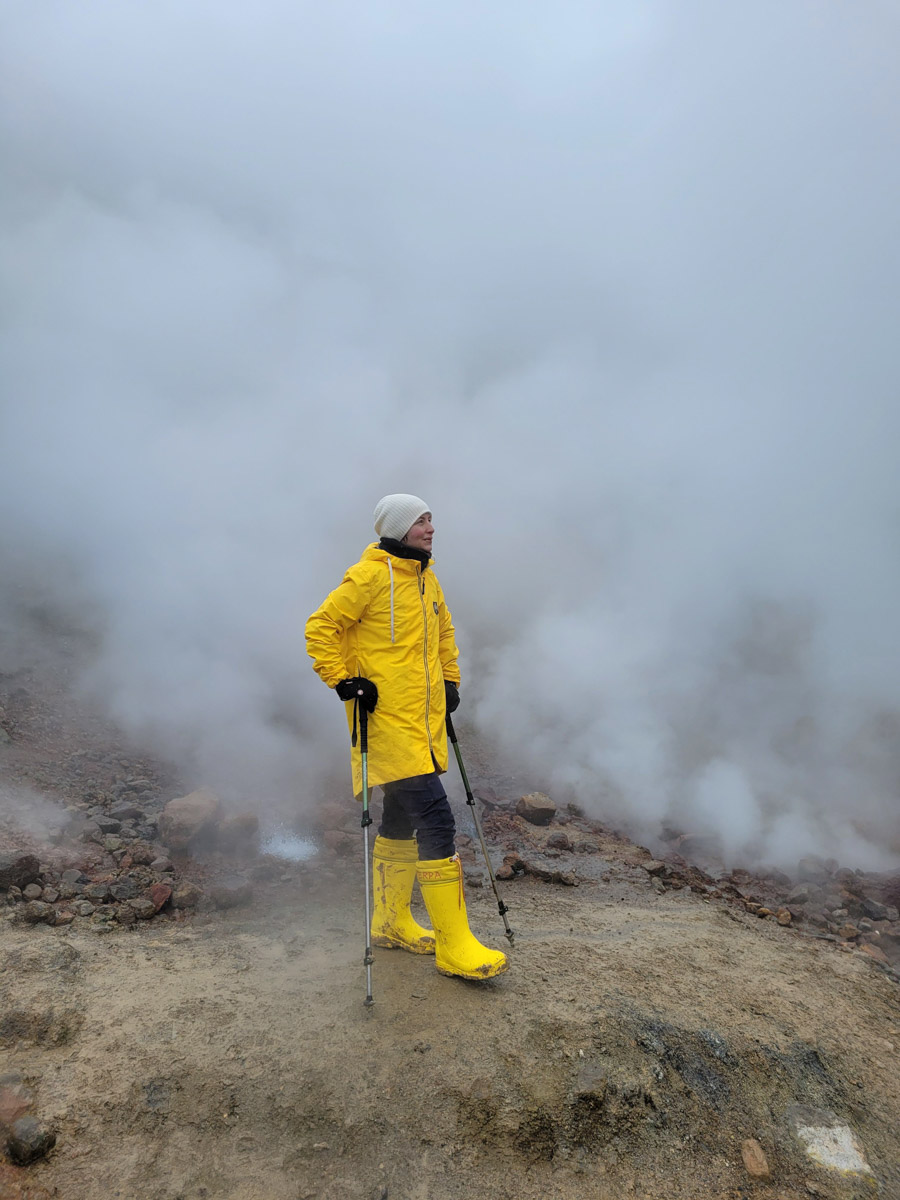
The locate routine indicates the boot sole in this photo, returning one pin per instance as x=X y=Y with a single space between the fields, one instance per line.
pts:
x=386 y=943
x=476 y=976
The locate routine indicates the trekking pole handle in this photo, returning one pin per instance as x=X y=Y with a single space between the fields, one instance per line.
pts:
x=363 y=728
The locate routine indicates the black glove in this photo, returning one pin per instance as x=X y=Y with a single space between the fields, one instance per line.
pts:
x=451 y=692
x=363 y=690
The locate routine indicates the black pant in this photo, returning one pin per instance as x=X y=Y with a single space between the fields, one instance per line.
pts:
x=419 y=805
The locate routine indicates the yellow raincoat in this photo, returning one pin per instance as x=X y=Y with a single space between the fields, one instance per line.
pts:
x=388 y=622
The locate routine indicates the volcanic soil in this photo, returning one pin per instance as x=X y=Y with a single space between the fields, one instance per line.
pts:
x=659 y=1034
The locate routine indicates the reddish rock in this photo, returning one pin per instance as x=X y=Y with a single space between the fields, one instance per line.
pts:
x=754 y=1159
x=874 y=952
x=187 y=819
x=783 y=916
x=15 y=1099
x=160 y=894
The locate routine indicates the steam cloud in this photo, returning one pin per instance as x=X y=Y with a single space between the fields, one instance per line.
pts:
x=614 y=287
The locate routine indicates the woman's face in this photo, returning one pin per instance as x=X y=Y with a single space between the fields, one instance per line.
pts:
x=421 y=534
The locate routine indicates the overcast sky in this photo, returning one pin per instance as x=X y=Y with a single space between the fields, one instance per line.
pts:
x=614 y=287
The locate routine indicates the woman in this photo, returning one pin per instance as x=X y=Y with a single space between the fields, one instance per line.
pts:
x=384 y=640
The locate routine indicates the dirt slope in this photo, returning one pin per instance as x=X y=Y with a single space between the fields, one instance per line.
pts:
x=641 y=1036
x=634 y=1044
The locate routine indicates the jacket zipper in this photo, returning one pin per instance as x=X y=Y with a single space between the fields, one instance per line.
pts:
x=421 y=585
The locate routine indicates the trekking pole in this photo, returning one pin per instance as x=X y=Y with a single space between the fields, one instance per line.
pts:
x=470 y=800
x=366 y=822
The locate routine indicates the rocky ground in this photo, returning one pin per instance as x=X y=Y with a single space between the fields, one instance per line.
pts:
x=181 y=1009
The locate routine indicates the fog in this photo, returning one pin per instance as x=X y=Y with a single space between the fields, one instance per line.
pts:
x=615 y=288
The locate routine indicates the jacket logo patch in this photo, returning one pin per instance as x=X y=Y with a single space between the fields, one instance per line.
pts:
x=434 y=606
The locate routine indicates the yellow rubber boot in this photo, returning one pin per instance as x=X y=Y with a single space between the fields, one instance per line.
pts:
x=393 y=875
x=458 y=951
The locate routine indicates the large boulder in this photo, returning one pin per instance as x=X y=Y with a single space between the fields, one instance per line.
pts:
x=18 y=869
x=187 y=819
x=536 y=808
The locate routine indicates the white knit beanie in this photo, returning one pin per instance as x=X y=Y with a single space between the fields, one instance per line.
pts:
x=395 y=515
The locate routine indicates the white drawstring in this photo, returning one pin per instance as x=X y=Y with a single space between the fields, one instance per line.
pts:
x=391 y=569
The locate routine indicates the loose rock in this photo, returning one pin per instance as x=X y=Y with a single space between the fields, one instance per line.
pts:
x=536 y=808
x=18 y=869
x=34 y=912
x=187 y=895
x=874 y=952
x=559 y=841
x=160 y=894
x=142 y=853
x=15 y=1099
x=71 y=883
x=124 y=889
x=231 y=893
x=130 y=812
x=187 y=818
x=873 y=910
x=29 y=1140
x=754 y=1159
